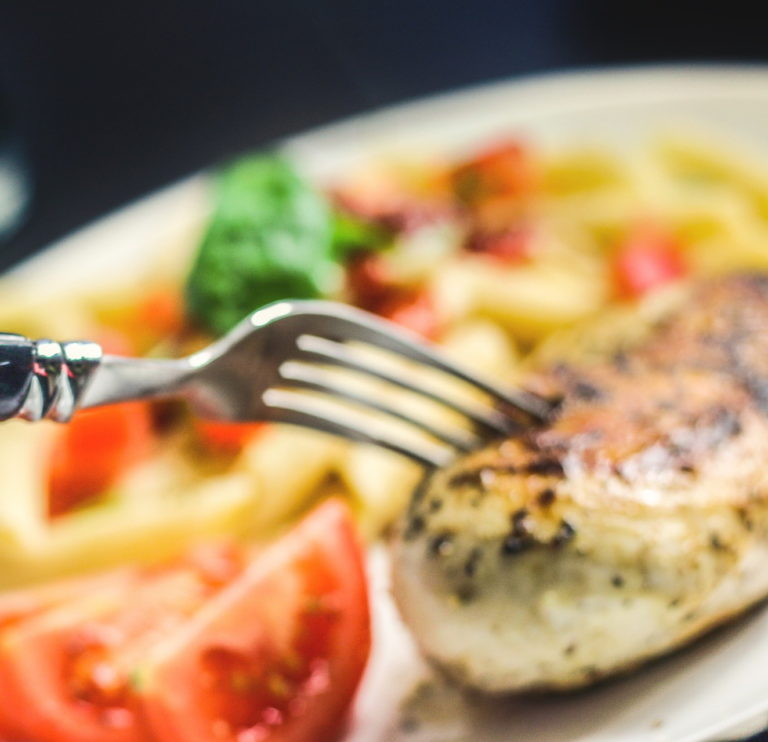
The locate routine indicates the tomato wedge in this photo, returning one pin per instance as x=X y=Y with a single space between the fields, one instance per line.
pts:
x=66 y=673
x=19 y=605
x=277 y=655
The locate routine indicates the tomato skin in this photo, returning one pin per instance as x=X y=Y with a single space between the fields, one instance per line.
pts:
x=373 y=288
x=646 y=260
x=244 y=667
x=31 y=657
x=20 y=605
x=225 y=437
x=94 y=448
x=66 y=673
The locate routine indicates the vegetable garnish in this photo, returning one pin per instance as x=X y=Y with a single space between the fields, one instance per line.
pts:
x=647 y=259
x=506 y=170
x=219 y=645
x=278 y=655
x=372 y=286
x=93 y=450
x=272 y=236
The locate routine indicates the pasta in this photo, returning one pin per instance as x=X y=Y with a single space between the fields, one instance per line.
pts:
x=548 y=290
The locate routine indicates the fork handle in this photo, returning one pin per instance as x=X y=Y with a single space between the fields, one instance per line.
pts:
x=43 y=378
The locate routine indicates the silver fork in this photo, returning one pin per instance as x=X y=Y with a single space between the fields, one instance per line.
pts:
x=277 y=365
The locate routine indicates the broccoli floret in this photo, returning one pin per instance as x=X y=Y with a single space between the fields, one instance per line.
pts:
x=271 y=237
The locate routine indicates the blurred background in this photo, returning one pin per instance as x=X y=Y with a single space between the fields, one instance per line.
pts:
x=102 y=102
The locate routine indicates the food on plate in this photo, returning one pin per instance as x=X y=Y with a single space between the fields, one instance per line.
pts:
x=633 y=520
x=506 y=253
x=220 y=644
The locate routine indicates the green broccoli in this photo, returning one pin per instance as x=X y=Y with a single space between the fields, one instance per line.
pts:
x=272 y=236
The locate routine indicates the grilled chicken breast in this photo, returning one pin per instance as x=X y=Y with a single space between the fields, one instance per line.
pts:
x=630 y=523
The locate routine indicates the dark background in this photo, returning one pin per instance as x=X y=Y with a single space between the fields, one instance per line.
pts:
x=113 y=99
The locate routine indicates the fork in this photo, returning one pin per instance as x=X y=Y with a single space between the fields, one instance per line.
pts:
x=280 y=364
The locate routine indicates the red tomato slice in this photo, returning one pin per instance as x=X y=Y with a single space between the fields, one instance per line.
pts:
x=647 y=259
x=94 y=449
x=19 y=605
x=276 y=657
x=66 y=674
x=225 y=437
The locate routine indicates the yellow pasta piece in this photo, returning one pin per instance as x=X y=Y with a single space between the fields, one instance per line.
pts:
x=23 y=504
x=698 y=161
x=529 y=300
x=286 y=464
x=115 y=533
x=380 y=483
x=576 y=171
x=483 y=346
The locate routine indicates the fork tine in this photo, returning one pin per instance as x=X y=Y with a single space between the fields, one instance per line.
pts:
x=354 y=324
x=284 y=407
x=313 y=379
x=320 y=350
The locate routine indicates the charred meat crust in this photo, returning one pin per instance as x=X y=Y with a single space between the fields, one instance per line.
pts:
x=632 y=521
x=664 y=406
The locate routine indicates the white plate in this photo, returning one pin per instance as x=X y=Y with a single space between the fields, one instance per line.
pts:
x=716 y=689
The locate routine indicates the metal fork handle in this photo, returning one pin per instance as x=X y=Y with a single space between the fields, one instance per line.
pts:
x=45 y=379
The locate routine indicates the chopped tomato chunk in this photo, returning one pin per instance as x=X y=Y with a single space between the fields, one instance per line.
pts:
x=507 y=246
x=646 y=260
x=91 y=452
x=20 y=605
x=220 y=645
x=504 y=170
x=67 y=673
x=373 y=288
x=369 y=279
